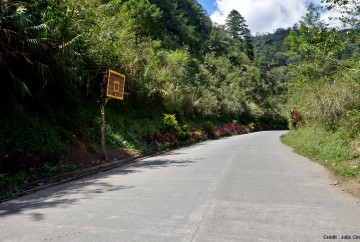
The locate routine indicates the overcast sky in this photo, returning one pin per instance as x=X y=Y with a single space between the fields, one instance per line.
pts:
x=260 y=15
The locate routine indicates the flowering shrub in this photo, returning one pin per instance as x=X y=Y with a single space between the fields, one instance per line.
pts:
x=171 y=138
x=171 y=125
x=229 y=129
x=295 y=118
x=198 y=135
x=162 y=138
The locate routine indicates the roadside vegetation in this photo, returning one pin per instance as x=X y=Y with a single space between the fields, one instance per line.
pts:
x=323 y=97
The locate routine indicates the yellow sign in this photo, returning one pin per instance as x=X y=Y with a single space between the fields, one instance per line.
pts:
x=115 y=85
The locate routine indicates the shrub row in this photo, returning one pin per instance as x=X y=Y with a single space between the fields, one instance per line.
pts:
x=205 y=131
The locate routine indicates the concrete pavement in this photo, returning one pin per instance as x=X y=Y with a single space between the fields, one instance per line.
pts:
x=243 y=188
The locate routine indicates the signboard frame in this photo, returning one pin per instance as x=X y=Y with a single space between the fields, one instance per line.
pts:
x=115 y=87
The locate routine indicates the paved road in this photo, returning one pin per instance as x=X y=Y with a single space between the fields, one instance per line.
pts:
x=243 y=188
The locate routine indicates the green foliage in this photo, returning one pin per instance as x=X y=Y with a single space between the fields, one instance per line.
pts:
x=140 y=16
x=48 y=170
x=170 y=123
x=270 y=49
x=325 y=87
x=32 y=56
x=170 y=52
x=22 y=44
x=12 y=184
x=349 y=125
x=208 y=126
x=349 y=10
x=315 y=46
x=34 y=134
x=236 y=25
x=238 y=30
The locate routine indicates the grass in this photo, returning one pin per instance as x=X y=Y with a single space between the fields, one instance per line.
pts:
x=331 y=149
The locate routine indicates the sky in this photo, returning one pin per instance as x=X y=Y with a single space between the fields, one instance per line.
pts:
x=260 y=15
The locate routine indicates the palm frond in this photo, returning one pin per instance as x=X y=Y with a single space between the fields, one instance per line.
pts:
x=36 y=46
x=39 y=31
x=68 y=47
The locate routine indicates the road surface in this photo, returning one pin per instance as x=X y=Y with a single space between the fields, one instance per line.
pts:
x=243 y=188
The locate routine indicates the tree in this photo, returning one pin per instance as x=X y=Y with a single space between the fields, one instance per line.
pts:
x=236 y=27
x=248 y=44
x=141 y=17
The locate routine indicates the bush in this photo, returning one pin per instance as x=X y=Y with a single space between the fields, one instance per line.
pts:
x=198 y=135
x=171 y=125
x=296 y=118
x=208 y=126
x=349 y=125
x=162 y=138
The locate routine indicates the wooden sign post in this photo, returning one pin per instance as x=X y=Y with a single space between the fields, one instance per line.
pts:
x=113 y=86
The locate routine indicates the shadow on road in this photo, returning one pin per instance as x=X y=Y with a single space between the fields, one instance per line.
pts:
x=69 y=194
x=158 y=163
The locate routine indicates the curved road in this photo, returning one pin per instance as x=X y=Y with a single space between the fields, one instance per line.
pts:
x=243 y=188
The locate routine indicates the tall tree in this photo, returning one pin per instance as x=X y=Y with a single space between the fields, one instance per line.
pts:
x=236 y=25
x=237 y=28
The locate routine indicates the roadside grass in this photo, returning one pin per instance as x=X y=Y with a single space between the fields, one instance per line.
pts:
x=331 y=149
